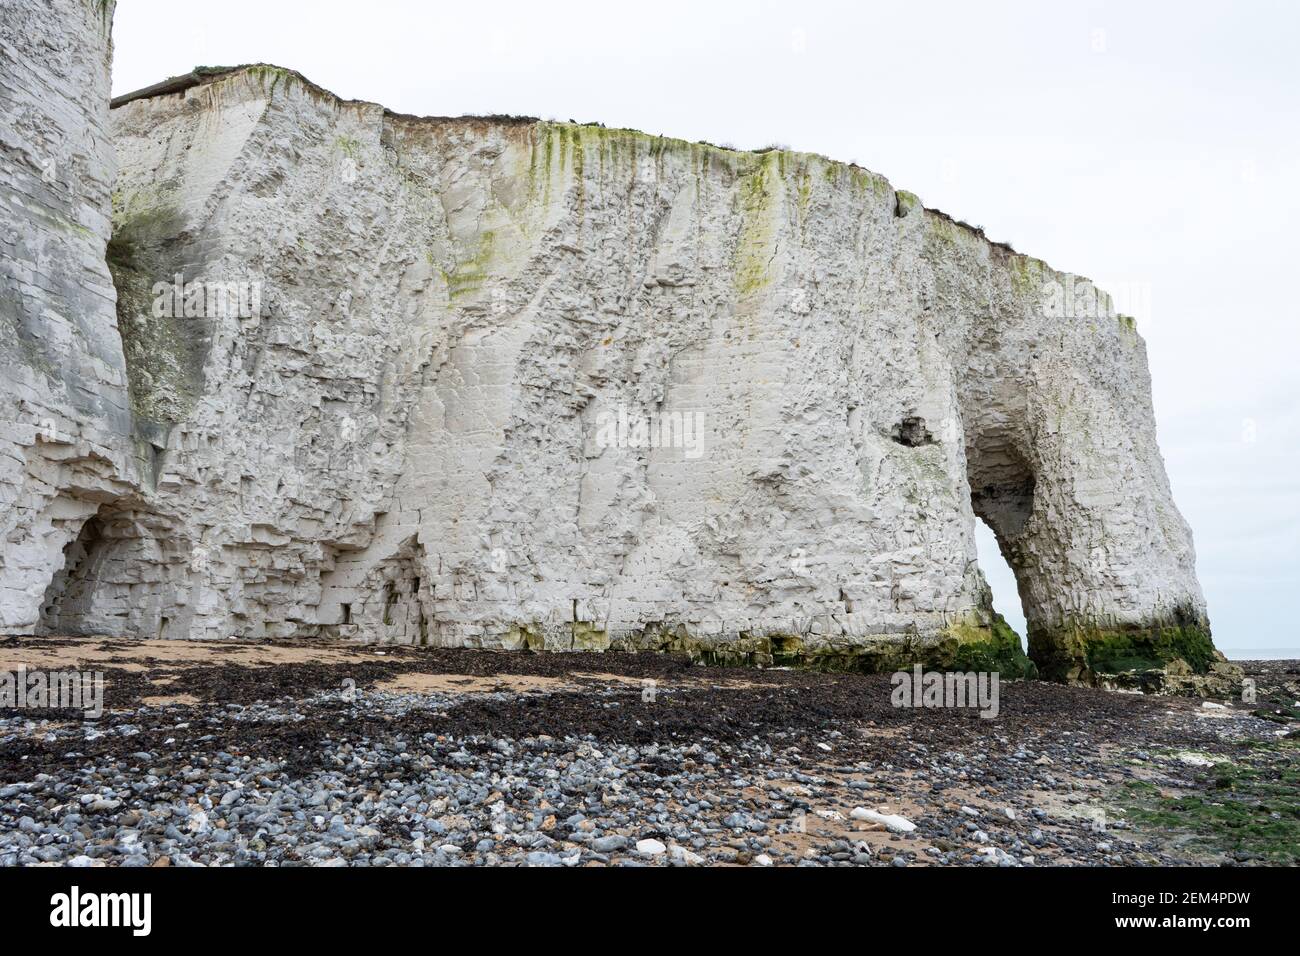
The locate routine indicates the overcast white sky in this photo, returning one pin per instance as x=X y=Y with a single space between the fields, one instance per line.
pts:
x=1154 y=147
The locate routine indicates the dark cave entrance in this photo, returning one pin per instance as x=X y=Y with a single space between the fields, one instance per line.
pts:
x=122 y=576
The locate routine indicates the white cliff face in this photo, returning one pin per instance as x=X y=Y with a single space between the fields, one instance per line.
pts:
x=65 y=424
x=500 y=383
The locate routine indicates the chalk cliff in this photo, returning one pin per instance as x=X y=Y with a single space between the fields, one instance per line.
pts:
x=67 y=442
x=506 y=383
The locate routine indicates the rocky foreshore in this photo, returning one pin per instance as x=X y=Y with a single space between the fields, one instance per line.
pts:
x=258 y=754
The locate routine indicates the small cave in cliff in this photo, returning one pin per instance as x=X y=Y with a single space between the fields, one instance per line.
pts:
x=912 y=433
x=123 y=575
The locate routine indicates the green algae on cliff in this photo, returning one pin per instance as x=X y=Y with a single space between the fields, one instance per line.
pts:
x=163 y=354
x=754 y=249
x=974 y=642
x=1176 y=654
x=470 y=274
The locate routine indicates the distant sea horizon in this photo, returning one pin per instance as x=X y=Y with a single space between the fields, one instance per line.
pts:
x=1261 y=653
x=1240 y=653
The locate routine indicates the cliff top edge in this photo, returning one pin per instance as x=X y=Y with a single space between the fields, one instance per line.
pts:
x=203 y=75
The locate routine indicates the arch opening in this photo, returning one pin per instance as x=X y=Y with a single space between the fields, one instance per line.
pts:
x=1001 y=580
x=1003 y=487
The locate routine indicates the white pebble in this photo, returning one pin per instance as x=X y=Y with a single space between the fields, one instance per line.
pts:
x=890 y=821
x=650 y=848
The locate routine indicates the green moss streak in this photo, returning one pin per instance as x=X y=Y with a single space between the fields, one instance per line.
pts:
x=994 y=648
x=470 y=274
x=909 y=202
x=1027 y=275
x=348 y=146
x=754 y=250
x=263 y=73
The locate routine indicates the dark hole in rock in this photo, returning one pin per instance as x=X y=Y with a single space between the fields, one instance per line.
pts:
x=912 y=433
x=390 y=600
